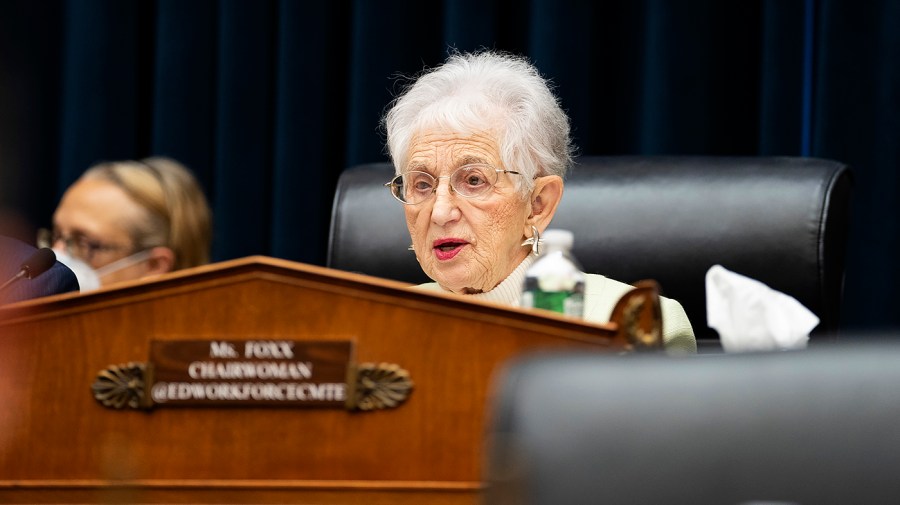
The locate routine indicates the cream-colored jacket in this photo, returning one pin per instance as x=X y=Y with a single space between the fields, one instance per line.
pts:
x=600 y=297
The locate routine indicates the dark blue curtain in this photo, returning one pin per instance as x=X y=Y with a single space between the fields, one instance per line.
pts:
x=268 y=101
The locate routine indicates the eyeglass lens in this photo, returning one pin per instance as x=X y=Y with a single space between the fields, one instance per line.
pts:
x=469 y=181
x=77 y=245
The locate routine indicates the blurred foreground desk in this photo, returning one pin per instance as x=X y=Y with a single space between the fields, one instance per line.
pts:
x=255 y=335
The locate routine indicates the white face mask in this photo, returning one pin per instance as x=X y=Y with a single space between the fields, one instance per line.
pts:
x=88 y=278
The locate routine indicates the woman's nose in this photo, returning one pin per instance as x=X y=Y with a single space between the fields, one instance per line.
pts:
x=445 y=209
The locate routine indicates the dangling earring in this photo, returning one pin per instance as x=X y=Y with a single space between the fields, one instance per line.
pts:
x=411 y=248
x=534 y=241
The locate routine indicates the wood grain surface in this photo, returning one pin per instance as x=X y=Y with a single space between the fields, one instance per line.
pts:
x=57 y=444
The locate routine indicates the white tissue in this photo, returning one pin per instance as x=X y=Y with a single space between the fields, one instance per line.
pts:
x=751 y=316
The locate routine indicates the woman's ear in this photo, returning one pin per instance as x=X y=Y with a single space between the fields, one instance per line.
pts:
x=162 y=260
x=545 y=199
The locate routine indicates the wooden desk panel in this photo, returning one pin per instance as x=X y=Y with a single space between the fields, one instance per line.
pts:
x=57 y=444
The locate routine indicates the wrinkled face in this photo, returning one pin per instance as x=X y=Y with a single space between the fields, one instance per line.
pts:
x=466 y=245
x=99 y=213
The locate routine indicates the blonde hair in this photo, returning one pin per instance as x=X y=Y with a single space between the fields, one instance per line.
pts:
x=177 y=213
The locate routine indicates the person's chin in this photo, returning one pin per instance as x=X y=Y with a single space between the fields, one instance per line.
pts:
x=450 y=282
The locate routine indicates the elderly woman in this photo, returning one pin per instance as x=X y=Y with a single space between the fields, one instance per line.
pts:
x=128 y=220
x=481 y=146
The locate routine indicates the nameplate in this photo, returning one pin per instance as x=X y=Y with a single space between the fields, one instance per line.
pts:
x=264 y=372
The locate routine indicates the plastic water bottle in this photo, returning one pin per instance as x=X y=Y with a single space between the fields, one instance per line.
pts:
x=555 y=281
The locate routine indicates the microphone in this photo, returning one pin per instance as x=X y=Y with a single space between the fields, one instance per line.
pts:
x=35 y=265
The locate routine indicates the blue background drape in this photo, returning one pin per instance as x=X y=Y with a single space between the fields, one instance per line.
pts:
x=268 y=101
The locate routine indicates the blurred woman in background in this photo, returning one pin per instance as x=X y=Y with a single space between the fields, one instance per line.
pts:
x=127 y=220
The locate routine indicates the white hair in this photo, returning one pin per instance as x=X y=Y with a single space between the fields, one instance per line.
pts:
x=486 y=91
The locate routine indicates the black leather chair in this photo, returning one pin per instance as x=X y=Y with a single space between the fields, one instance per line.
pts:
x=781 y=220
x=800 y=427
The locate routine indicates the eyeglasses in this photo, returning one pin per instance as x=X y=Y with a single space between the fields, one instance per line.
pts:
x=78 y=245
x=467 y=181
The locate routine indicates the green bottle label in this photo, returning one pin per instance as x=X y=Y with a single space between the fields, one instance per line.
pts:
x=564 y=302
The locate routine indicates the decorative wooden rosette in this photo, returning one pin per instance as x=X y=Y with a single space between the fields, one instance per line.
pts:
x=124 y=386
x=639 y=316
x=377 y=386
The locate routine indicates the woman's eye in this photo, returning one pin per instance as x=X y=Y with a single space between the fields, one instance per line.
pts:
x=474 y=180
x=421 y=185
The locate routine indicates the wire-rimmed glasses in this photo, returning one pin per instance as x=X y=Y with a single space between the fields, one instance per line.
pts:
x=468 y=181
x=78 y=245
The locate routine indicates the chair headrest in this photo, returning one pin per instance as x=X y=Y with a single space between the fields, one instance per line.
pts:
x=812 y=426
x=780 y=220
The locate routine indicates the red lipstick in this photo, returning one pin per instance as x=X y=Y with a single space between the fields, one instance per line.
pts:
x=447 y=248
